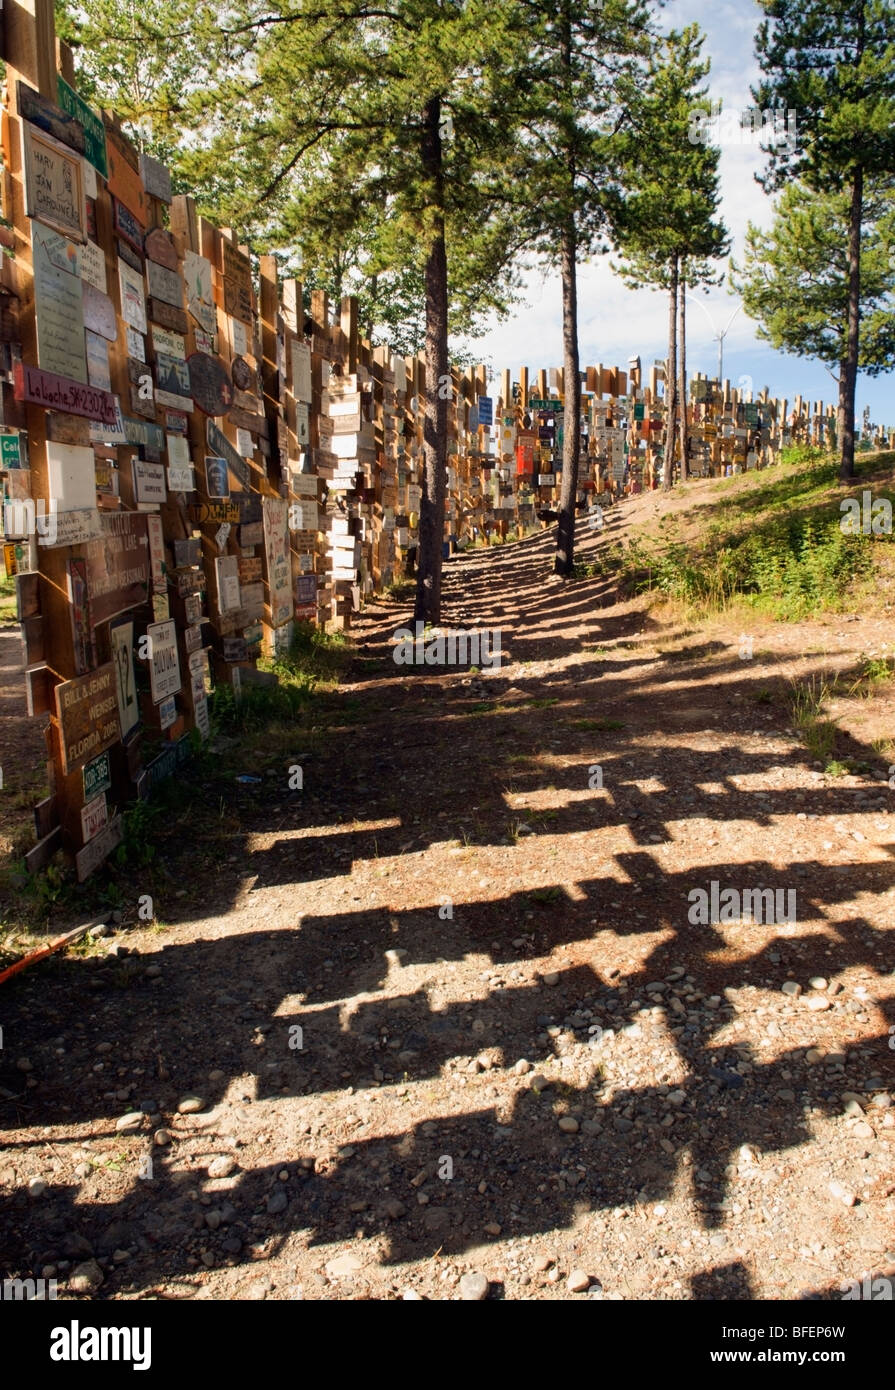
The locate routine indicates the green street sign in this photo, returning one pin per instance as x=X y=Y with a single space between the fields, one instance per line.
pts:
x=94 y=131
x=11 y=450
x=97 y=776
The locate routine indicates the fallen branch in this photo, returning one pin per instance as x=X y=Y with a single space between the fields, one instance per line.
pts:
x=43 y=951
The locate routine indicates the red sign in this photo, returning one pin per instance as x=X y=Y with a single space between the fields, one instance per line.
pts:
x=61 y=393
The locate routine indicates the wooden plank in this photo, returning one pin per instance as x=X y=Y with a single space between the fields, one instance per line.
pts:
x=39 y=857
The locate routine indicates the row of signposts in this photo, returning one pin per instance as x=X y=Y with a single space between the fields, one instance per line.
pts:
x=194 y=457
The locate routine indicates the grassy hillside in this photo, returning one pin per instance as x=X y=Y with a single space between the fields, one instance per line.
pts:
x=771 y=540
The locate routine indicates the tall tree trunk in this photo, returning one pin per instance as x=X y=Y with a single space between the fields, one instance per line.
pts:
x=571 y=378
x=848 y=377
x=437 y=385
x=682 y=372
x=670 y=380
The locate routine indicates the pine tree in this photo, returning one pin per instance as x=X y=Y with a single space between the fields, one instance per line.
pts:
x=668 y=219
x=831 y=64
x=583 y=59
x=795 y=278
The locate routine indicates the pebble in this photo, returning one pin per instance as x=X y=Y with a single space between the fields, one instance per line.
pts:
x=344 y=1266
x=161 y=1137
x=411 y=1296
x=551 y=977
x=23 y=1063
x=493 y=1229
x=277 y=1202
x=522 y=1066
x=578 y=1281
x=819 y=1003
x=543 y=1263
x=842 y=1194
x=474 y=1287
x=86 y=1277
x=568 y=1124
x=882 y=1101
x=791 y=987
x=190 y=1105
x=36 y=1187
x=813 y=1056
x=129 y=1122
x=538 y=1083
x=818 y=982
x=82 y=1171
x=222 y=1166
x=396 y=955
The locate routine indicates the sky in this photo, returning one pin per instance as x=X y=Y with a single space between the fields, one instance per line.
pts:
x=617 y=323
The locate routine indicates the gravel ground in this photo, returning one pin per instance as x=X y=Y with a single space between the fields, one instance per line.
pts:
x=446 y=1023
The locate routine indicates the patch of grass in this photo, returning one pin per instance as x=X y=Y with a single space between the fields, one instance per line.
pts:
x=818 y=733
x=874 y=672
x=400 y=589
x=591 y=726
x=772 y=542
x=485 y=707
x=7 y=599
x=545 y=895
x=540 y=704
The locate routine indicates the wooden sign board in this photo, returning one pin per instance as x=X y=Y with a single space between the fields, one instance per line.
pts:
x=279 y=567
x=54 y=184
x=168 y=315
x=53 y=120
x=130 y=257
x=156 y=178
x=118 y=571
x=227 y=576
x=164 y=284
x=210 y=385
x=215 y=513
x=128 y=226
x=98 y=849
x=237 y=272
x=94 y=817
x=87 y=714
x=149 y=482
x=251 y=533
x=58 y=304
x=160 y=248
x=133 y=297
x=221 y=446
x=188 y=552
x=90 y=122
x=164 y=663
x=55 y=392
x=249 y=569
x=99 y=312
x=123 y=179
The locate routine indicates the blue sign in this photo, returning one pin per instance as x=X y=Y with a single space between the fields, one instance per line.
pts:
x=486 y=410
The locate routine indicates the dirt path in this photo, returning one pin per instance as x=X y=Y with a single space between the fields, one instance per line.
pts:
x=519 y=1056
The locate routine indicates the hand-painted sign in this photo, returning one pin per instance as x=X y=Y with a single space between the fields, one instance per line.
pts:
x=59 y=393
x=54 y=184
x=87 y=713
x=94 y=132
x=210 y=385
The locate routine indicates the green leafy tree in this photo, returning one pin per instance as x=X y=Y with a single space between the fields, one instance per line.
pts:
x=668 y=219
x=832 y=64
